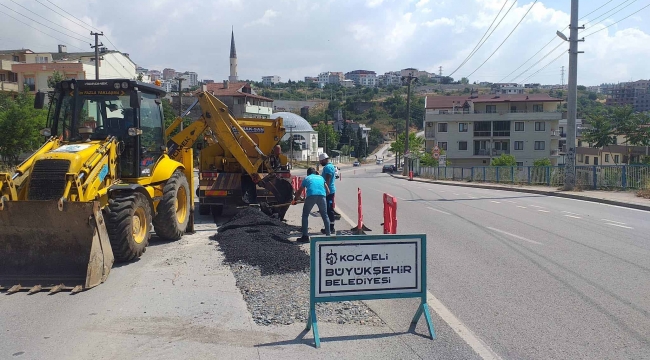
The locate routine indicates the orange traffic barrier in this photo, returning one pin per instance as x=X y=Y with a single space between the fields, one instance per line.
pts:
x=410 y=175
x=390 y=214
x=361 y=227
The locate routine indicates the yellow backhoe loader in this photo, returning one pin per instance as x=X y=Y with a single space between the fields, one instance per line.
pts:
x=92 y=193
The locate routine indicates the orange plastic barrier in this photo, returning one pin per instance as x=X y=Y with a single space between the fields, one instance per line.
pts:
x=411 y=175
x=390 y=214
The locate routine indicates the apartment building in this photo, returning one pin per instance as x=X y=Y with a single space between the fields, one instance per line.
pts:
x=507 y=88
x=474 y=129
x=241 y=99
x=168 y=74
x=336 y=77
x=32 y=69
x=8 y=78
x=362 y=77
x=390 y=78
x=270 y=80
x=635 y=94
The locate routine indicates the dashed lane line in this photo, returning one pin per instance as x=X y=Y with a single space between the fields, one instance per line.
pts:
x=544 y=211
x=622 y=226
x=573 y=216
x=440 y=211
x=516 y=236
x=615 y=222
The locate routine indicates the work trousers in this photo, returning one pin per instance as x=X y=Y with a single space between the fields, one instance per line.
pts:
x=330 y=208
x=310 y=201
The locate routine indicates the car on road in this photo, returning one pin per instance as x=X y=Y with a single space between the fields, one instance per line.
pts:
x=356 y=163
x=337 y=173
x=379 y=161
x=388 y=169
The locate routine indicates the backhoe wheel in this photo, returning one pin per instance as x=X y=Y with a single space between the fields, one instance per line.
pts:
x=128 y=222
x=173 y=211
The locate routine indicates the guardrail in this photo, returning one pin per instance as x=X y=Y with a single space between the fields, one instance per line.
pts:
x=603 y=177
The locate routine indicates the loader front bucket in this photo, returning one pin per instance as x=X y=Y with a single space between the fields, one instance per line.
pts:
x=281 y=190
x=52 y=245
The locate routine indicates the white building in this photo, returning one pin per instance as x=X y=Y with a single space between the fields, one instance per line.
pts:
x=391 y=78
x=362 y=77
x=270 y=80
x=190 y=79
x=347 y=83
x=324 y=78
x=303 y=134
x=474 y=129
x=507 y=88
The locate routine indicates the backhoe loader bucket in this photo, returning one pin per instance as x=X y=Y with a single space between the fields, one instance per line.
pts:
x=281 y=190
x=53 y=245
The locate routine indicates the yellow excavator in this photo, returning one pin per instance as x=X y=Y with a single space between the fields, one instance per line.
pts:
x=91 y=194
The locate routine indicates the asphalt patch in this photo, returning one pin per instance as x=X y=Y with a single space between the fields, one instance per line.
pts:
x=253 y=238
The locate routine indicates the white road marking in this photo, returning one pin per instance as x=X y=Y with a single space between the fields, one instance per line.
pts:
x=496 y=202
x=510 y=201
x=456 y=194
x=522 y=207
x=544 y=211
x=440 y=211
x=569 y=212
x=479 y=346
x=616 y=222
x=515 y=236
x=623 y=226
x=473 y=197
x=535 y=206
x=572 y=216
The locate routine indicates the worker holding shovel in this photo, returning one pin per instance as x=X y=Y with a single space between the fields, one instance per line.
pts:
x=317 y=190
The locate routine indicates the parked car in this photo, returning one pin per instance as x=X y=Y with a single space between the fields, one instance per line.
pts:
x=337 y=174
x=388 y=169
x=356 y=163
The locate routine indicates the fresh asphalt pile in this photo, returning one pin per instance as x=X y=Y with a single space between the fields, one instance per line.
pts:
x=272 y=273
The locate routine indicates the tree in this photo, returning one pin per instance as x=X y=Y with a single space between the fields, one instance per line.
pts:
x=56 y=78
x=140 y=77
x=504 y=160
x=464 y=81
x=602 y=132
x=20 y=124
x=542 y=162
x=326 y=132
x=446 y=80
x=375 y=137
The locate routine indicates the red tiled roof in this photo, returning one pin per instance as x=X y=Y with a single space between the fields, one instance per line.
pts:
x=234 y=89
x=437 y=102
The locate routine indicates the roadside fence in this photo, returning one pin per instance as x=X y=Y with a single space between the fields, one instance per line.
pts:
x=604 y=177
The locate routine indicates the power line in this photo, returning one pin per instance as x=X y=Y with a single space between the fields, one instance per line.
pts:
x=507 y=37
x=545 y=66
x=600 y=7
x=538 y=61
x=60 y=32
x=72 y=15
x=63 y=27
x=65 y=17
x=617 y=21
x=609 y=11
x=530 y=58
x=471 y=53
x=39 y=30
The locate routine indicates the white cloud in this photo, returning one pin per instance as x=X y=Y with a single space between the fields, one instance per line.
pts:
x=425 y=11
x=265 y=19
x=421 y=3
x=441 y=21
x=361 y=32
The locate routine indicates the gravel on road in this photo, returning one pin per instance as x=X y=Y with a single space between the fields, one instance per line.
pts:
x=272 y=272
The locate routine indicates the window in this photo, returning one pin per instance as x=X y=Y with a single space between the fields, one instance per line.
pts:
x=442 y=127
x=579 y=143
x=616 y=158
x=513 y=109
x=562 y=134
x=587 y=160
x=540 y=126
x=462 y=127
x=595 y=160
x=16 y=58
x=540 y=145
x=501 y=128
x=519 y=126
x=442 y=145
x=538 y=108
x=41 y=59
x=519 y=145
x=462 y=145
x=606 y=158
x=482 y=128
x=520 y=163
x=490 y=109
x=3 y=77
x=580 y=158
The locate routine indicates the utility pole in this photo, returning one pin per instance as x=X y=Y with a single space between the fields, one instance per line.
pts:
x=96 y=47
x=408 y=79
x=562 y=75
x=440 y=71
x=180 y=100
x=572 y=101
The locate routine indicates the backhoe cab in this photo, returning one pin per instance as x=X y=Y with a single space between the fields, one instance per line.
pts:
x=92 y=192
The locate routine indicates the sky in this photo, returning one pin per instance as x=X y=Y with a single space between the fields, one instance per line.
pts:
x=298 y=38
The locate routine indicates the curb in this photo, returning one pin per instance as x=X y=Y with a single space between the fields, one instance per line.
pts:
x=533 y=191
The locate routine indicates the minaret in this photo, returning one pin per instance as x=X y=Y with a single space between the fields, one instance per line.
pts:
x=233 y=59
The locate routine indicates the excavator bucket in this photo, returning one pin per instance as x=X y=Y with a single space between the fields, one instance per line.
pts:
x=281 y=190
x=53 y=245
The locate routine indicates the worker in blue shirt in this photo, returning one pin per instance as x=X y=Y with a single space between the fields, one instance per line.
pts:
x=329 y=174
x=317 y=190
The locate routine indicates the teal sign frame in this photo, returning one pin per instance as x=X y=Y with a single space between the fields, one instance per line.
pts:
x=412 y=292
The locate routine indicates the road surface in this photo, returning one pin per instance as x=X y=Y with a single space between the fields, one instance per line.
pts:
x=532 y=277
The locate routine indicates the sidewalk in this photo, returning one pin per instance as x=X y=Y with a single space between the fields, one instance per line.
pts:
x=619 y=198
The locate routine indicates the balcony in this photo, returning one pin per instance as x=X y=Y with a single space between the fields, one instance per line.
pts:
x=555 y=133
x=259 y=110
x=514 y=115
x=555 y=152
x=8 y=86
x=488 y=152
